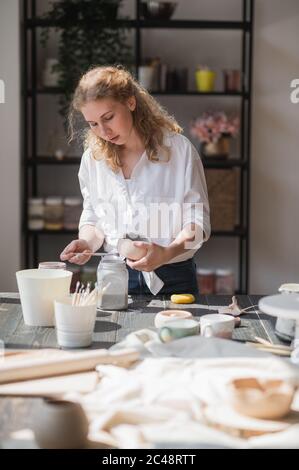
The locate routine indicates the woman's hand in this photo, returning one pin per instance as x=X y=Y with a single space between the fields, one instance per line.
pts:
x=74 y=252
x=156 y=256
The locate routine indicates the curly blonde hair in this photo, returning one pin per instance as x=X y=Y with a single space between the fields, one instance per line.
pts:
x=149 y=117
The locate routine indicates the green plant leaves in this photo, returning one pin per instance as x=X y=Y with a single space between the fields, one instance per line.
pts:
x=84 y=42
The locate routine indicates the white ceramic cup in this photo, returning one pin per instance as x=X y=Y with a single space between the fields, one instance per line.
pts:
x=38 y=289
x=215 y=324
x=74 y=323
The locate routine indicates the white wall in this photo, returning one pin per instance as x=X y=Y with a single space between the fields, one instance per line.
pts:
x=275 y=148
x=9 y=145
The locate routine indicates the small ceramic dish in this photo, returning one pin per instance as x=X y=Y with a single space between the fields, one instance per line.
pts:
x=264 y=399
x=166 y=316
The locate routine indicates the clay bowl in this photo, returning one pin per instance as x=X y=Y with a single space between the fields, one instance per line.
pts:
x=167 y=316
x=263 y=399
x=127 y=249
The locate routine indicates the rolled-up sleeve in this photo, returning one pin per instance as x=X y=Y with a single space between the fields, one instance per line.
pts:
x=88 y=216
x=196 y=203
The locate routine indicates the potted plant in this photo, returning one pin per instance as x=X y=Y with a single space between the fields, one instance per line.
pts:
x=214 y=130
x=84 y=43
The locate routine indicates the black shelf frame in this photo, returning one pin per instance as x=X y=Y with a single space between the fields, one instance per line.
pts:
x=58 y=91
x=72 y=160
x=32 y=23
x=31 y=161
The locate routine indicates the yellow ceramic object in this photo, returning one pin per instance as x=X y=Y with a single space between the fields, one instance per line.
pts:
x=205 y=80
x=182 y=298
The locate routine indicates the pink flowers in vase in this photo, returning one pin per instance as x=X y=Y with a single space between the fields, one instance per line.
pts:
x=210 y=127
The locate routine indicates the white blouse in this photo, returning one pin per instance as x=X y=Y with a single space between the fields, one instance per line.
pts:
x=141 y=206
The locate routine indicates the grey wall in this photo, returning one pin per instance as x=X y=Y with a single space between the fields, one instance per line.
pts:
x=9 y=145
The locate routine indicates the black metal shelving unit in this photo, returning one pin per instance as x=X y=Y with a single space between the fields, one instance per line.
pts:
x=31 y=90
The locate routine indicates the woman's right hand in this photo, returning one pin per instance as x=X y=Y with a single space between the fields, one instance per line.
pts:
x=74 y=252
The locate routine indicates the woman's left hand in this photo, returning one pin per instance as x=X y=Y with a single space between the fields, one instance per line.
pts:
x=156 y=256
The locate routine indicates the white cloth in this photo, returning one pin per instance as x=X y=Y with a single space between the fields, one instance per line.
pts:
x=153 y=282
x=178 y=184
x=166 y=399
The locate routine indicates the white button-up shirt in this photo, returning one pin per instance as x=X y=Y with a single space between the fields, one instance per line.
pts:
x=157 y=201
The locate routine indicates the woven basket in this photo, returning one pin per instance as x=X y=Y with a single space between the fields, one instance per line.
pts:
x=223 y=198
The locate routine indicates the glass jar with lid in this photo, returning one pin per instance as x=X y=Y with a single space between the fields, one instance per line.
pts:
x=112 y=274
x=53 y=213
x=35 y=214
x=72 y=212
x=225 y=282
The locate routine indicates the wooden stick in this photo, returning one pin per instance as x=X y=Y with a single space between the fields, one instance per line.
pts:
x=267 y=343
x=74 y=299
x=272 y=349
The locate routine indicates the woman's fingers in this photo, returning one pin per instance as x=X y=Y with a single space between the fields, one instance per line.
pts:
x=74 y=252
x=80 y=258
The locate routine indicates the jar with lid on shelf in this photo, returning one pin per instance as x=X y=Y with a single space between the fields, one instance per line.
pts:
x=206 y=281
x=112 y=274
x=53 y=213
x=72 y=212
x=35 y=214
x=225 y=282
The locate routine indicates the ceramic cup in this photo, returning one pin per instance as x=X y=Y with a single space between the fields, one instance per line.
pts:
x=38 y=289
x=178 y=329
x=215 y=324
x=60 y=424
x=74 y=323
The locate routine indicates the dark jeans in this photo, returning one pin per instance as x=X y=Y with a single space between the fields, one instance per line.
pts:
x=178 y=278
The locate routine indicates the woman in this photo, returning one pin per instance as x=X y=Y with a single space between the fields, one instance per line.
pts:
x=140 y=178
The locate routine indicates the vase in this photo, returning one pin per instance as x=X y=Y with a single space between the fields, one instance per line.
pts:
x=221 y=148
x=146 y=76
x=60 y=424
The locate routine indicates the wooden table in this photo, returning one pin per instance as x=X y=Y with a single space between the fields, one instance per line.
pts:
x=111 y=327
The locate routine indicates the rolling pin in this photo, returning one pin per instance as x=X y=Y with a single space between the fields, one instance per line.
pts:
x=69 y=363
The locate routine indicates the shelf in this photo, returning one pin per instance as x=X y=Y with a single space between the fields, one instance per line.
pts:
x=33 y=91
x=224 y=163
x=51 y=232
x=60 y=91
x=162 y=24
x=239 y=232
x=53 y=161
